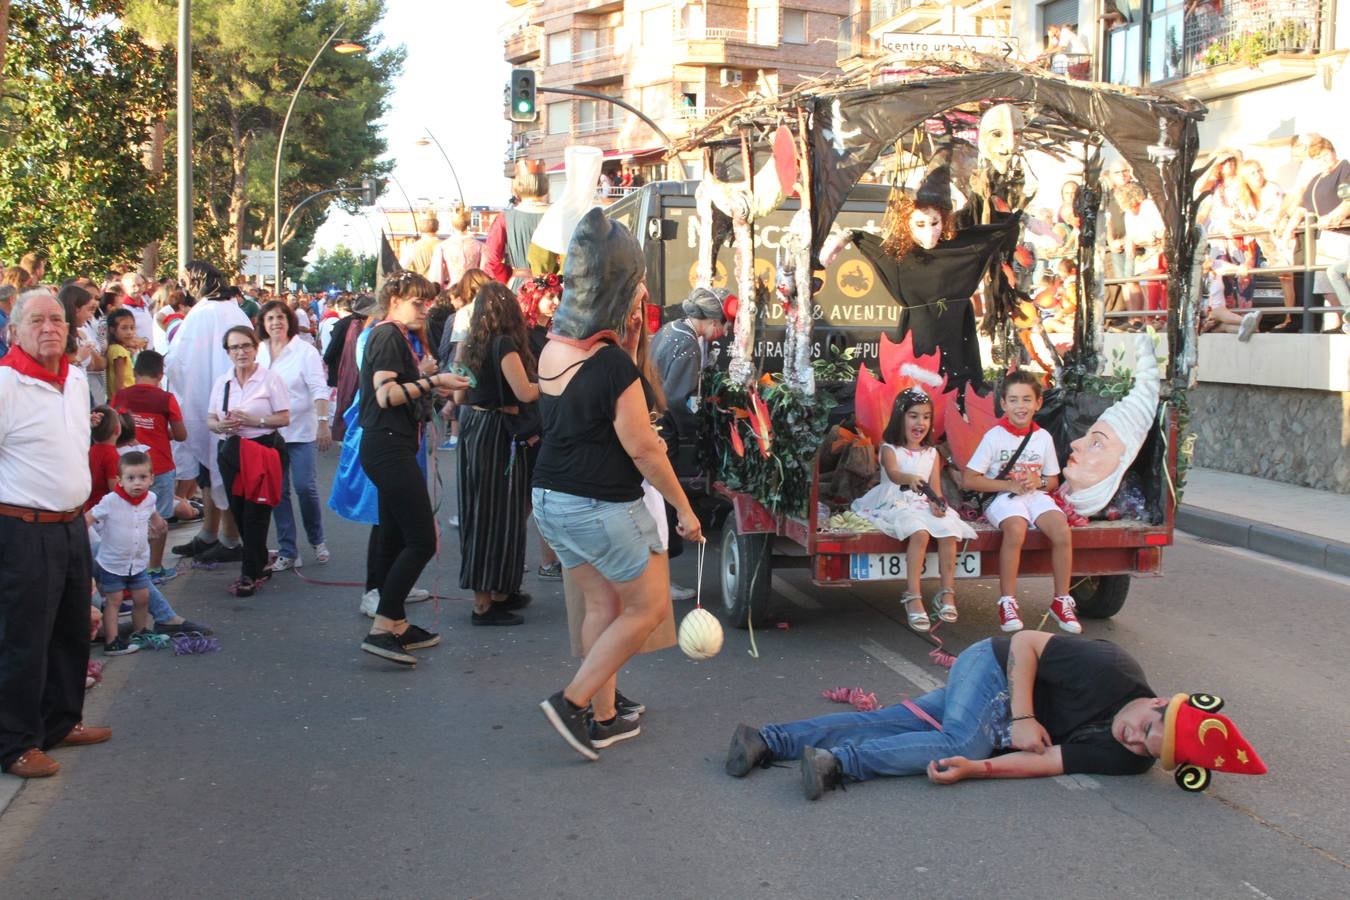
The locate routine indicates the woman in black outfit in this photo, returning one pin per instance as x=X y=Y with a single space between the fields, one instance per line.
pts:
x=494 y=465
x=396 y=393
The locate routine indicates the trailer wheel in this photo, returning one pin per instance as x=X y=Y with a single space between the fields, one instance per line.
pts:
x=1101 y=596
x=747 y=569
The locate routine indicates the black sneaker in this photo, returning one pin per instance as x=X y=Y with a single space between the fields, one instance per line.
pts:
x=387 y=646
x=518 y=600
x=552 y=570
x=628 y=709
x=747 y=751
x=418 y=638
x=571 y=723
x=616 y=729
x=119 y=647
x=219 y=553
x=820 y=772
x=186 y=626
x=193 y=547
x=496 y=616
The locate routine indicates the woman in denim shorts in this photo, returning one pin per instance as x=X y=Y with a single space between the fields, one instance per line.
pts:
x=598 y=445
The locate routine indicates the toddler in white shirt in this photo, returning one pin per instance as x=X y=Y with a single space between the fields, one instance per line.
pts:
x=123 y=519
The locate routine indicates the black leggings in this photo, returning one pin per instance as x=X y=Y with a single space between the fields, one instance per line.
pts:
x=252 y=519
x=405 y=540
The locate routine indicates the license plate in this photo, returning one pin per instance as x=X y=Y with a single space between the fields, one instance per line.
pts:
x=895 y=566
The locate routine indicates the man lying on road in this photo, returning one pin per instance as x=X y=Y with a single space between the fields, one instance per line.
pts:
x=1025 y=706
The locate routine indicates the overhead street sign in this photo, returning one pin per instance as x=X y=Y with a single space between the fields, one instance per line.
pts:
x=921 y=46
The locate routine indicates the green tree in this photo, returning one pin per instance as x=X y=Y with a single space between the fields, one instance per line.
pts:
x=340 y=269
x=248 y=56
x=80 y=94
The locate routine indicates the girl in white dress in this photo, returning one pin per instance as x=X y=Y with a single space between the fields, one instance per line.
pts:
x=899 y=507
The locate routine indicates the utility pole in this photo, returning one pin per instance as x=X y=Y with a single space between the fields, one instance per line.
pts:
x=184 y=133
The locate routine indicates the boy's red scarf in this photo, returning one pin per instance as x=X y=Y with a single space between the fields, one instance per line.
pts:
x=1014 y=430
x=21 y=362
x=134 y=501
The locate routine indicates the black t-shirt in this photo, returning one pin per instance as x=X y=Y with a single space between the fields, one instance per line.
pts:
x=1080 y=685
x=1320 y=194
x=492 y=390
x=581 y=453
x=387 y=350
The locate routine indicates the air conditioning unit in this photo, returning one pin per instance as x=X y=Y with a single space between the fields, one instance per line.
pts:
x=731 y=77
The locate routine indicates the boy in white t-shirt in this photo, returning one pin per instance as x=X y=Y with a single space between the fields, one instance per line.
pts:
x=1022 y=498
x=123 y=519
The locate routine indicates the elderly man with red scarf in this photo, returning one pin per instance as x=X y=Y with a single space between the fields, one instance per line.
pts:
x=44 y=548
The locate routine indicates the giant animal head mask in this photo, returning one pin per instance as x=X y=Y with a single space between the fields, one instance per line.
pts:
x=601 y=273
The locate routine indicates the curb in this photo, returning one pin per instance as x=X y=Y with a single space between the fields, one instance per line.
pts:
x=9 y=789
x=1281 y=543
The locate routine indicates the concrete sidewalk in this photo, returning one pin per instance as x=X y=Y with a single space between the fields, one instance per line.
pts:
x=1297 y=524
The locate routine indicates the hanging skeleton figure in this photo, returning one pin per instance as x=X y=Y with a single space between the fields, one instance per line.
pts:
x=931 y=269
x=743 y=202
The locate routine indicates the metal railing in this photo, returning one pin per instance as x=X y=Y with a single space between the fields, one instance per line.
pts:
x=593 y=53
x=683 y=112
x=595 y=126
x=1242 y=32
x=1309 y=269
x=885 y=10
x=730 y=35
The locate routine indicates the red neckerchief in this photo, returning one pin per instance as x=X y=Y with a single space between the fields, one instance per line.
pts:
x=1014 y=430
x=134 y=501
x=330 y=314
x=18 y=360
x=136 y=302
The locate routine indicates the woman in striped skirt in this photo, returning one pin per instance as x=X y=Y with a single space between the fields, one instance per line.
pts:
x=494 y=475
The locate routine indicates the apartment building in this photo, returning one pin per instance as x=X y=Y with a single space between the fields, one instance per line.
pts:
x=676 y=61
x=1266 y=69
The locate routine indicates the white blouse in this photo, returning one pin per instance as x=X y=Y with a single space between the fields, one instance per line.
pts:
x=301 y=368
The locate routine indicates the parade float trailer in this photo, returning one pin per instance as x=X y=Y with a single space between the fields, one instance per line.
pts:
x=781 y=174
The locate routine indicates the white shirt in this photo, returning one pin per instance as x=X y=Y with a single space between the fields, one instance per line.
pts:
x=262 y=395
x=996 y=447
x=326 y=330
x=44 y=441
x=301 y=368
x=459 y=332
x=123 y=533
x=303 y=319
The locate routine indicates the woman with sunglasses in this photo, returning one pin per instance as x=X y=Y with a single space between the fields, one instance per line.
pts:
x=248 y=404
x=396 y=390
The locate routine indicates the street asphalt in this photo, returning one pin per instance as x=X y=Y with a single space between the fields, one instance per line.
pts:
x=292 y=765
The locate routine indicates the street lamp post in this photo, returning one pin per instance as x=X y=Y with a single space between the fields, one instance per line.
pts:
x=184 y=134
x=423 y=142
x=343 y=47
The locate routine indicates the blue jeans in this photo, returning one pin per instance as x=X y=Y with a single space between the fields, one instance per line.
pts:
x=160 y=610
x=973 y=709
x=301 y=460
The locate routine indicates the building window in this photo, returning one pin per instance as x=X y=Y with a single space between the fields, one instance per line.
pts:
x=560 y=117
x=692 y=19
x=794 y=26
x=654 y=100
x=656 y=24
x=559 y=47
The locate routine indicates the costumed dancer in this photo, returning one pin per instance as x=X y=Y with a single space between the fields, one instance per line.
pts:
x=680 y=353
x=907 y=504
x=1031 y=706
x=511 y=256
x=932 y=270
x=1101 y=457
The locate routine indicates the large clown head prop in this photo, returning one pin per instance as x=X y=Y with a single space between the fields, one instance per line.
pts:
x=1000 y=127
x=1101 y=457
x=601 y=274
x=1196 y=740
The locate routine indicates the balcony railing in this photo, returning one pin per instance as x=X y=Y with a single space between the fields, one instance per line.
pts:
x=595 y=126
x=690 y=113
x=729 y=35
x=1241 y=31
x=885 y=10
x=594 y=53
x=523 y=44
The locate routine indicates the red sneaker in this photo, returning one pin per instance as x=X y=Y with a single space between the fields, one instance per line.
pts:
x=1008 y=618
x=1063 y=611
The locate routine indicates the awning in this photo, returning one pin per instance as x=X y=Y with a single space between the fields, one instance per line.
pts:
x=613 y=155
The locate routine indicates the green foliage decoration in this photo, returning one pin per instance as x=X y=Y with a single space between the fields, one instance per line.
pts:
x=781 y=481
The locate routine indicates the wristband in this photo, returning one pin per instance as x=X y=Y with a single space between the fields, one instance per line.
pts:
x=988 y=769
x=1020 y=718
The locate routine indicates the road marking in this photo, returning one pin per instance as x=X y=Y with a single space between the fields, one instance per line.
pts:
x=798 y=596
x=1256 y=890
x=901 y=666
x=1077 y=782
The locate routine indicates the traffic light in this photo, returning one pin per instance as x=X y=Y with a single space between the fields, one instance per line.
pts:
x=522 y=96
x=370 y=192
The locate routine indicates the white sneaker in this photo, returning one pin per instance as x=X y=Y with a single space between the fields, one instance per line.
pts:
x=1248 y=326
x=680 y=592
x=370 y=601
x=282 y=563
x=321 y=554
